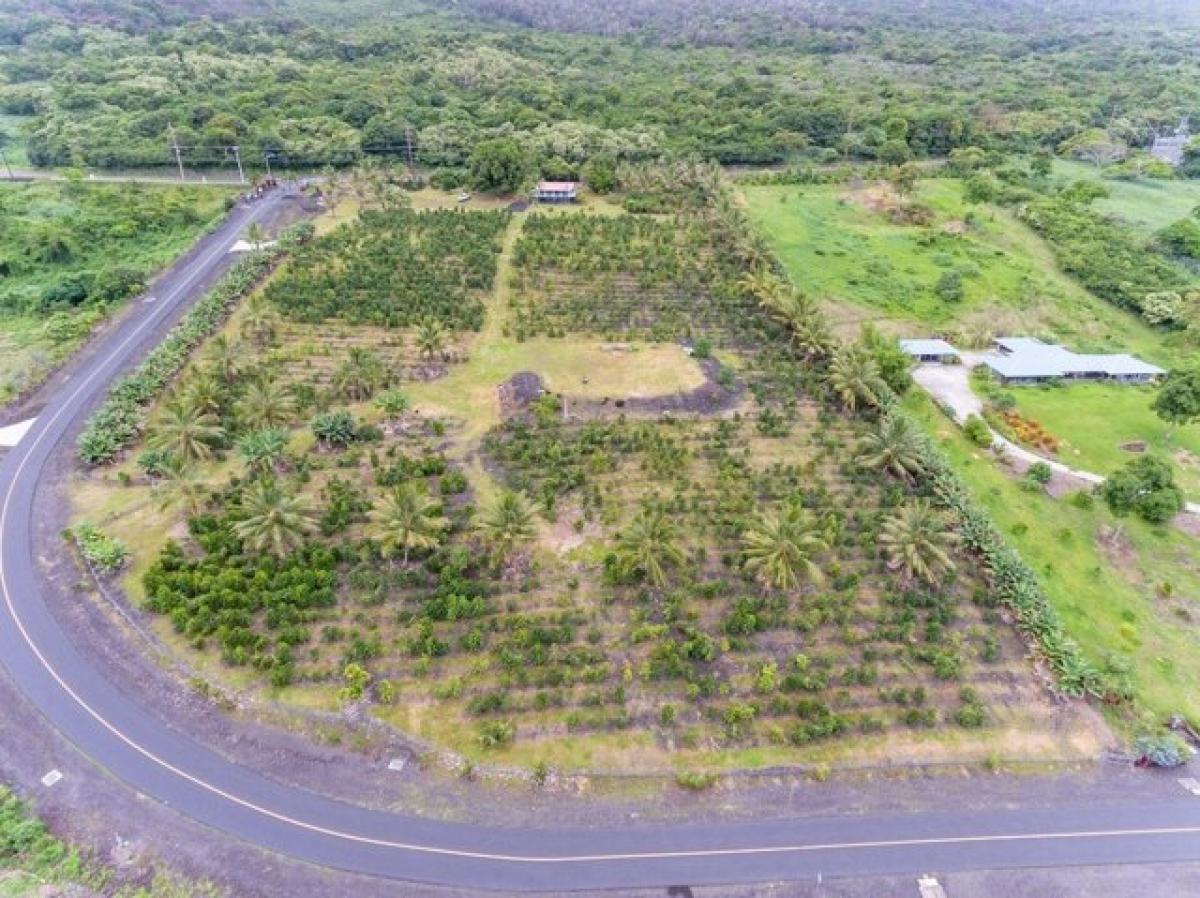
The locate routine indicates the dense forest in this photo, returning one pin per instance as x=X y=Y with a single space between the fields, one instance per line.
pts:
x=111 y=83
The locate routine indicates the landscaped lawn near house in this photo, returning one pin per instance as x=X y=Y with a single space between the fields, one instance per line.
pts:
x=1127 y=591
x=1095 y=420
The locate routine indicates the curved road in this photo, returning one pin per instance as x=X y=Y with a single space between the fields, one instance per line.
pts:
x=165 y=764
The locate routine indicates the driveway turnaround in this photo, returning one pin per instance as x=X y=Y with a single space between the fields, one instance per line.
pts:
x=167 y=765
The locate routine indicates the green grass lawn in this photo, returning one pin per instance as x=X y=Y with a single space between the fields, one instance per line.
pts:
x=1094 y=420
x=1147 y=205
x=1129 y=593
x=868 y=268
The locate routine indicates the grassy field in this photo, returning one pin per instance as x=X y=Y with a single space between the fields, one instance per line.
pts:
x=1127 y=591
x=1095 y=420
x=838 y=245
x=1147 y=205
x=59 y=242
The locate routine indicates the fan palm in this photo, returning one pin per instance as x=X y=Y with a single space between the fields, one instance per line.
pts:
x=266 y=403
x=892 y=446
x=408 y=520
x=186 y=432
x=916 y=541
x=274 y=521
x=855 y=378
x=779 y=548
x=431 y=338
x=181 y=487
x=507 y=523
x=650 y=545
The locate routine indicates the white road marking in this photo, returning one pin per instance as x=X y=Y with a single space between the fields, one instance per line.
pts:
x=51 y=778
x=930 y=887
x=150 y=299
x=12 y=434
x=455 y=852
x=397 y=764
x=1191 y=784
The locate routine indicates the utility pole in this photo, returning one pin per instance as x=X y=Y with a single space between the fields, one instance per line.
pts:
x=7 y=167
x=178 y=154
x=238 y=156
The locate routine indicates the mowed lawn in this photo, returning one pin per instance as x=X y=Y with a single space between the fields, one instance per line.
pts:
x=1128 y=592
x=1095 y=420
x=866 y=267
x=1147 y=205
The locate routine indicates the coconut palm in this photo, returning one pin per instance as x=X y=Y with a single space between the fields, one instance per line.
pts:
x=650 y=545
x=225 y=358
x=180 y=487
x=408 y=520
x=431 y=338
x=360 y=375
x=185 y=431
x=274 y=521
x=779 y=548
x=204 y=392
x=765 y=286
x=266 y=403
x=855 y=378
x=893 y=446
x=507 y=523
x=260 y=321
x=916 y=540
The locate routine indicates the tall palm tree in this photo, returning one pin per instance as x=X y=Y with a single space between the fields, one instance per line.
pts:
x=408 y=520
x=893 y=446
x=507 y=523
x=275 y=521
x=360 y=375
x=650 y=544
x=179 y=486
x=779 y=548
x=855 y=378
x=187 y=432
x=431 y=338
x=916 y=541
x=267 y=403
x=225 y=357
x=765 y=286
x=260 y=321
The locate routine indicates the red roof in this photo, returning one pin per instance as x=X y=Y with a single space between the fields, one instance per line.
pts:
x=556 y=186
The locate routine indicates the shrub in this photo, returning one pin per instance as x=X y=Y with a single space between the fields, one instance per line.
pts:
x=101 y=551
x=335 y=428
x=977 y=431
x=1166 y=750
x=695 y=781
x=1146 y=487
x=1040 y=473
x=496 y=733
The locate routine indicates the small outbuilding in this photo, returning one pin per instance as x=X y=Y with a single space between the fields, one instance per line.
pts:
x=930 y=351
x=556 y=192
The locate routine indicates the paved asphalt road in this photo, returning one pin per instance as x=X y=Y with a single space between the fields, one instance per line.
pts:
x=165 y=764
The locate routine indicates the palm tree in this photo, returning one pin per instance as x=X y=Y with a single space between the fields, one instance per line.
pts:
x=893 y=446
x=261 y=450
x=267 y=403
x=204 y=392
x=916 y=540
x=765 y=286
x=431 y=338
x=255 y=235
x=225 y=357
x=855 y=378
x=408 y=520
x=507 y=523
x=181 y=487
x=187 y=432
x=260 y=321
x=650 y=544
x=274 y=521
x=779 y=548
x=359 y=375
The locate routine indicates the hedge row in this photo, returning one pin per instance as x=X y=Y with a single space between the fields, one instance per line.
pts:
x=119 y=420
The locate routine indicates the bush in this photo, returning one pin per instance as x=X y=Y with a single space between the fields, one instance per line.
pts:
x=101 y=551
x=1040 y=473
x=336 y=428
x=1146 y=487
x=977 y=431
x=496 y=733
x=1166 y=750
x=695 y=781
